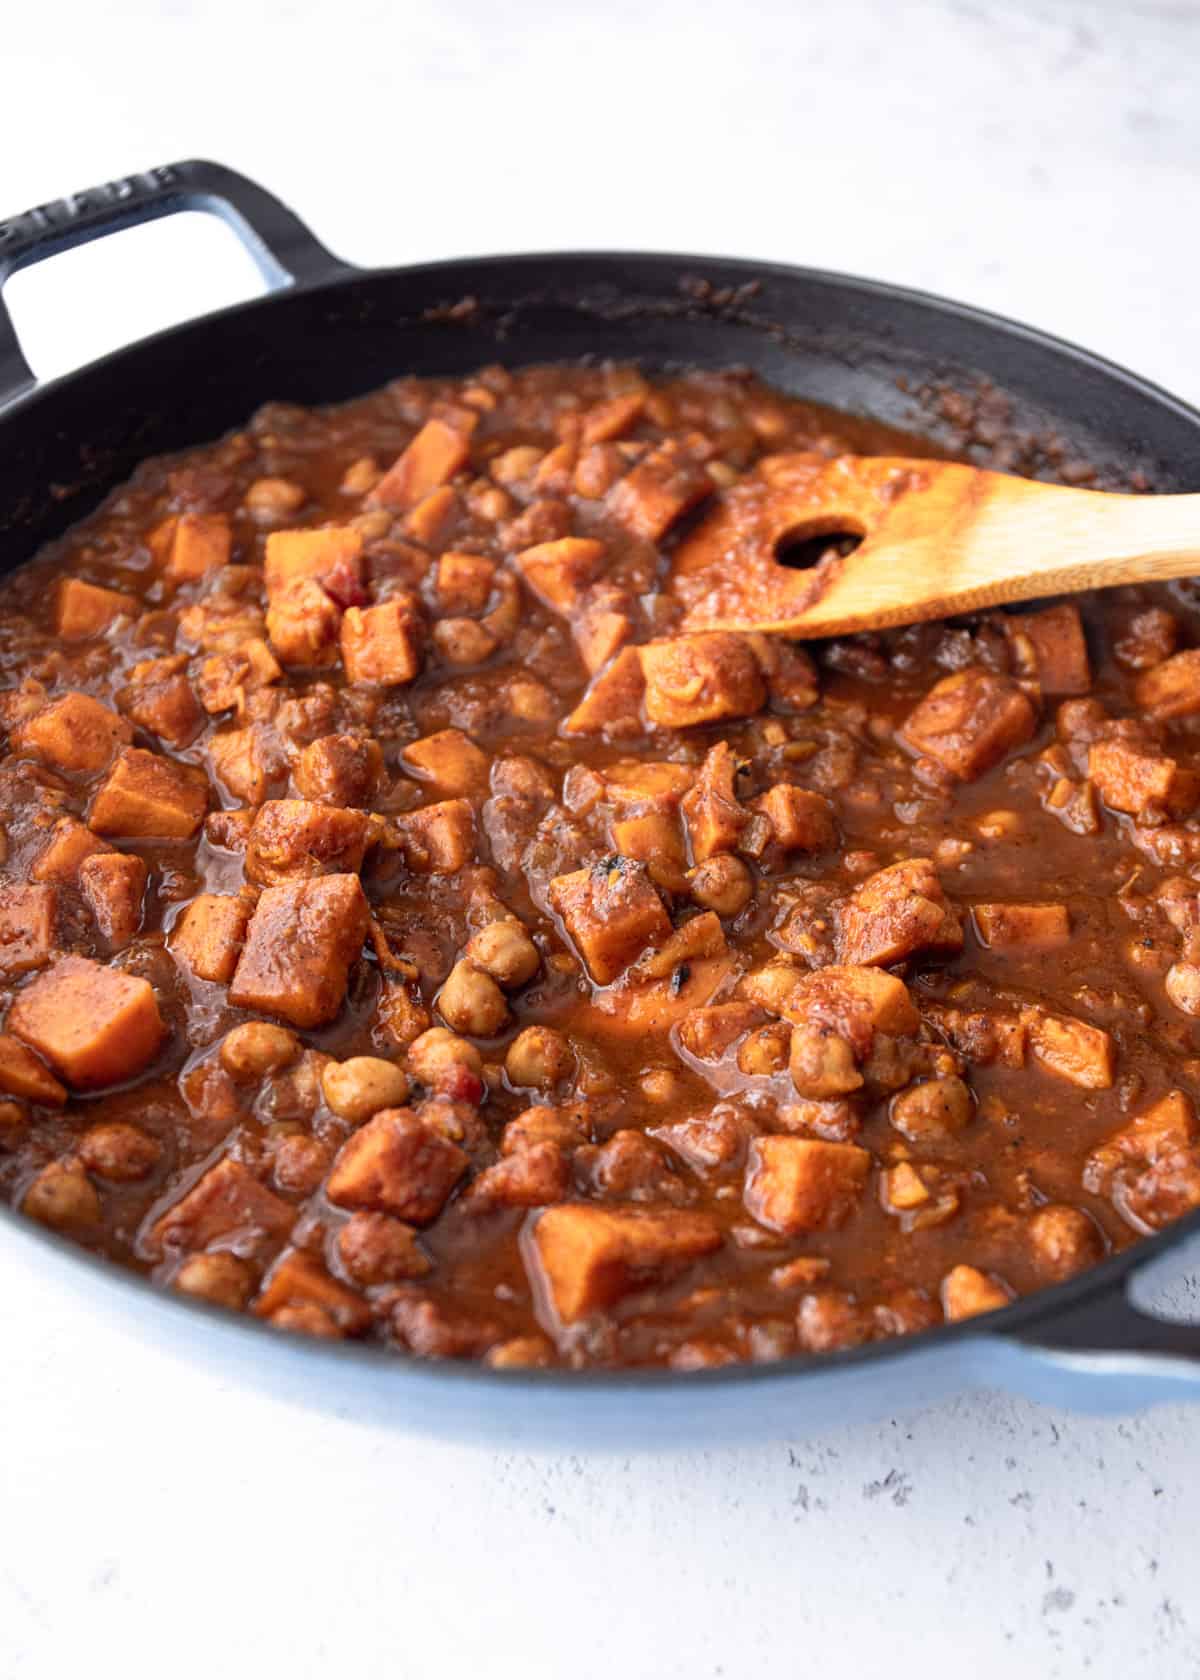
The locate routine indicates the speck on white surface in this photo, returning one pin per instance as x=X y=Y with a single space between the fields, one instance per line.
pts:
x=1039 y=157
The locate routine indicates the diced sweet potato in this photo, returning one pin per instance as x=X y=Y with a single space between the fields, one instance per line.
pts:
x=450 y=761
x=209 y=935
x=113 y=885
x=297 y=1279
x=246 y=762
x=966 y=1291
x=148 y=797
x=800 y=821
x=1171 y=689
x=302 y=939
x=464 y=582
x=1151 y=1167
x=613 y=418
x=296 y=839
x=611 y=912
x=85 y=609
x=558 y=572
x=632 y=784
x=701 y=679
x=1050 y=647
x=897 y=912
x=438 y=839
x=69 y=844
x=707 y=1033
x=382 y=646
x=159 y=698
x=28 y=927
x=1140 y=782
x=643 y=1009
x=661 y=488
x=796 y=1184
x=1006 y=927
x=1071 y=1049
x=528 y=1178
x=583 y=1259
x=792 y=684
x=397 y=1164
x=715 y=819
x=304 y=624
x=192 y=545
x=72 y=733
x=339 y=770
x=24 y=1075
x=856 y=1001
x=434 y=517
x=602 y=623
x=655 y=839
x=331 y=557
x=613 y=702
x=439 y=450
x=226 y=679
x=228 y=1203
x=968 y=721
x=93 y=1025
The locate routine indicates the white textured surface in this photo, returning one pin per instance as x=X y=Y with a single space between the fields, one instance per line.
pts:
x=1038 y=158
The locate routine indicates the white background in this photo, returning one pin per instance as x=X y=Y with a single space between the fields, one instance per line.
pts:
x=1039 y=158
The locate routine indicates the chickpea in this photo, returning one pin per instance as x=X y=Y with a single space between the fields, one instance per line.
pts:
x=374 y=523
x=13 y=1119
x=120 y=1152
x=62 y=1196
x=521 y=1351
x=305 y=1318
x=531 y=701
x=1064 y=1240
x=659 y=1085
x=360 y=476
x=301 y=1163
x=438 y=1053
x=463 y=641
x=471 y=1002
x=269 y=499
x=764 y=1051
x=504 y=950
x=1183 y=987
x=721 y=883
x=221 y=1278
x=538 y=1059
x=822 y=1064
x=258 y=1048
x=360 y=1087
x=936 y=1109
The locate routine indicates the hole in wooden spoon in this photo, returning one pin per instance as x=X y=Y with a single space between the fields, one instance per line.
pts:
x=807 y=545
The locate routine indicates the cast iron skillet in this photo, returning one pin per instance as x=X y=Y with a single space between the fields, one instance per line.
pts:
x=328 y=331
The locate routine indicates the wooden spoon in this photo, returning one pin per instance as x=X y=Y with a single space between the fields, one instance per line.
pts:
x=937 y=538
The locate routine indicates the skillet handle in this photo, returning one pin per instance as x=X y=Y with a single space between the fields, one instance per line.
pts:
x=286 y=252
x=1105 y=1352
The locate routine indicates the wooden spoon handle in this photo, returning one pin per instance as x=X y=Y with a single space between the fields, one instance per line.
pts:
x=937 y=538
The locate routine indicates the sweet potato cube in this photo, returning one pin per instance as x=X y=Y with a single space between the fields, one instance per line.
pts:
x=382 y=646
x=227 y=1203
x=701 y=679
x=296 y=839
x=450 y=761
x=1071 y=1049
x=22 y=1074
x=339 y=770
x=302 y=939
x=438 y=839
x=433 y=518
x=94 y=1025
x=73 y=733
x=159 y=698
x=655 y=839
x=583 y=1259
x=85 y=609
x=614 y=418
x=439 y=450
x=613 y=702
x=297 y=1280
x=602 y=624
x=1140 y=782
x=897 y=912
x=209 y=935
x=245 y=762
x=28 y=918
x=796 y=1184
x=800 y=821
x=148 y=797
x=1007 y=927
x=61 y=858
x=558 y=572
x=966 y=1291
x=643 y=1009
x=968 y=721
x=1172 y=688
x=192 y=545
x=331 y=557
x=464 y=581
x=715 y=819
x=304 y=624
x=1050 y=646
x=611 y=912
x=399 y=1164
x=856 y=1001
x=113 y=885
x=661 y=488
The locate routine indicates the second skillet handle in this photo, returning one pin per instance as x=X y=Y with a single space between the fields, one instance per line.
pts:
x=286 y=252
